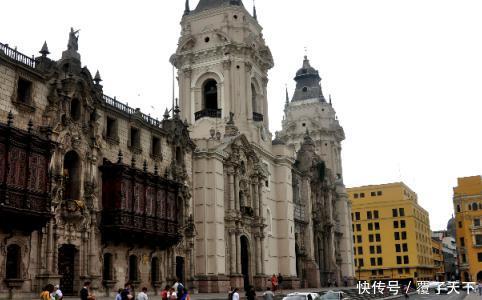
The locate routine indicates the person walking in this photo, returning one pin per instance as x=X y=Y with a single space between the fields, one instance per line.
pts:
x=280 y=282
x=235 y=294
x=274 y=283
x=143 y=294
x=164 y=293
x=230 y=293
x=268 y=295
x=84 y=292
x=172 y=295
x=480 y=288
x=250 y=293
x=119 y=295
x=126 y=293
x=46 y=291
x=185 y=294
x=57 y=293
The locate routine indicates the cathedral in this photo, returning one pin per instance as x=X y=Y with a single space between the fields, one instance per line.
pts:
x=92 y=189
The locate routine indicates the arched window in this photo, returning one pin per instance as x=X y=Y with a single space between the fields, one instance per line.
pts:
x=75 y=109
x=179 y=156
x=210 y=94
x=474 y=206
x=72 y=176
x=155 y=270
x=107 y=270
x=253 y=99
x=12 y=267
x=133 y=272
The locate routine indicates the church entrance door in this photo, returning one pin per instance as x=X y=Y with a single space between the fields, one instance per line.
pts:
x=245 y=261
x=66 y=269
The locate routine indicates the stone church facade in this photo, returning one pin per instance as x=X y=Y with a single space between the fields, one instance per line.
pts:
x=92 y=189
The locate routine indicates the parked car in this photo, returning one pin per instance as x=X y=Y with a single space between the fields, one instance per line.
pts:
x=302 y=296
x=334 y=295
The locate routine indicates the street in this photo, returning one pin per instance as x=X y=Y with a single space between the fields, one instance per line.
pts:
x=452 y=296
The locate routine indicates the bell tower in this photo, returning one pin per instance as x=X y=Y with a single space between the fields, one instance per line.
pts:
x=223 y=62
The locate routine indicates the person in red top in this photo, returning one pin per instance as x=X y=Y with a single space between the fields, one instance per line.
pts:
x=274 y=283
x=164 y=293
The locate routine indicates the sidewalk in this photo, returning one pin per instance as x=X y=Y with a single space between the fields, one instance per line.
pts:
x=473 y=296
x=217 y=296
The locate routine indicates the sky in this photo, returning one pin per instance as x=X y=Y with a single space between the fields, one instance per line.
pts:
x=405 y=76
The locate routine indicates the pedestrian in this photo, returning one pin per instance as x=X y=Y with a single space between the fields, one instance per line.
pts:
x=274 y=283
x=46 y=291
x=57 y=293
x=280 y=282
x=230 y=293
x=480 y=288
x=164 y=293
x=178 y=286
x=119 y=295
x=172 y=295
x=185 y=294
x=345 y=281
x=250 y=293
x=84 y=292
x=143 y=294
x=268 y=295
x=126 y=293
x=329 y=282
x=235 y=294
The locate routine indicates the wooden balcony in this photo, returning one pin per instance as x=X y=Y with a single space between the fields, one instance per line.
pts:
x=24 y=178
x=139 y=207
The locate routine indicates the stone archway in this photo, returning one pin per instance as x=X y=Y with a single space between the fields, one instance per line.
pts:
x=479 y=276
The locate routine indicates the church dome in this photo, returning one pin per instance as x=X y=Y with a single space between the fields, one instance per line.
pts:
x=451 y=227
x=210 y=4
x=308 y=83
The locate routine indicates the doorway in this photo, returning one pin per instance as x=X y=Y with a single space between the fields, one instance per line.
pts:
x=180 y=268
x=245 y=261
x=66 y=267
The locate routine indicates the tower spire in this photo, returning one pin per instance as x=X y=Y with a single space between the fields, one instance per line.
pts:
x=255 y=15
x=187 y=10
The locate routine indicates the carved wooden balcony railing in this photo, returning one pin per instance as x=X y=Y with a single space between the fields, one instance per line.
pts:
x=138 y=207
x=207 y=113
x=24 y=178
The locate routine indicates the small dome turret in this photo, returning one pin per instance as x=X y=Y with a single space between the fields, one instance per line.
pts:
x=308 y=83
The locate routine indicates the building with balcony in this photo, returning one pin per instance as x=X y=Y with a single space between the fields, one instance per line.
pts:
x=438 y=260
x=391 y=234
x=468 y=217
x=449 y=251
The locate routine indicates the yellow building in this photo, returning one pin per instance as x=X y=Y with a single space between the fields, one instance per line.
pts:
x=468 y=216
x=438 y=259
x=391 y=234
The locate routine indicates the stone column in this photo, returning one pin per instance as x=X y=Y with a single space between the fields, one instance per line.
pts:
x=257 y=254
x=231 y=190
x=236 y=192
x=50 y=245
x=260 y=198
x=255 y=198
x=262 y=253
x=232 y=251
x=92 y=256
x=238 y=253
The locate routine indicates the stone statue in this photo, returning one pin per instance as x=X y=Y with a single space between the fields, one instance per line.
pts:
x=73 y=40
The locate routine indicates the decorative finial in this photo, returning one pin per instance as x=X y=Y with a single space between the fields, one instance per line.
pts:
x=133 y=161
x=187 y=10
x=255 y=15
x=30 y=126
x=45 y=50
x=212 y=132
x=144 y=166
x=330 y=98
x=9 y=119
x=120 y=157
x=97 y=78
x=176 y=110
x=166 y=114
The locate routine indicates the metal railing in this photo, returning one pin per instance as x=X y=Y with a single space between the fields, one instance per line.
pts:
x=17 y=56
x=131 y=111
x=209 y=113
